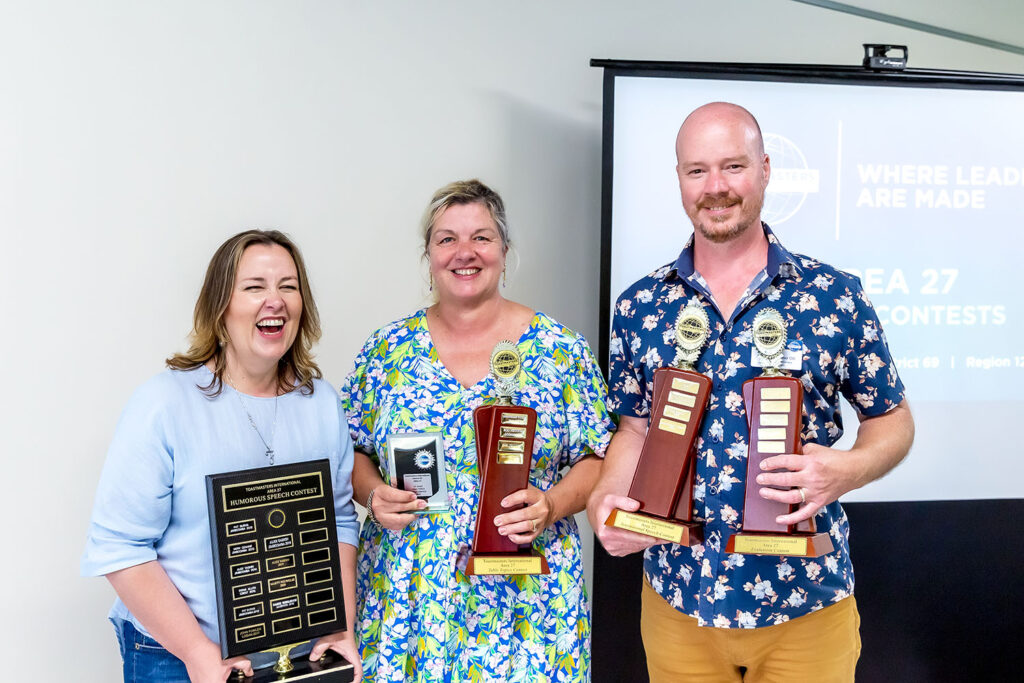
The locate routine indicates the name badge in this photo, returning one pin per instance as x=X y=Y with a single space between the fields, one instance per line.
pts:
x=792 y=358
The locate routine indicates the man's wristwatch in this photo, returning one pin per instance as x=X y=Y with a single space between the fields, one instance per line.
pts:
x=369 y=508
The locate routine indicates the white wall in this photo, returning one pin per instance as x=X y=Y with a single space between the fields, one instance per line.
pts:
x=137 y=136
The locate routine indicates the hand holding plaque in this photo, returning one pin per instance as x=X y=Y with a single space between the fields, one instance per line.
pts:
x=663 y=481
x=774 y=405
x=504 y=450
x=276 y=567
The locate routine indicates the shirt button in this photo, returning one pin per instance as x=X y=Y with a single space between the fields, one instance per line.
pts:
x=719 y=386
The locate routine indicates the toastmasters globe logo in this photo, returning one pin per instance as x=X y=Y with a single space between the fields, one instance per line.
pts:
x=791 y=180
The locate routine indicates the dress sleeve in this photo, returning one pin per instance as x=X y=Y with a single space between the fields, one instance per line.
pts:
x=585 y=396
x=345 y=518
x=358 y=395
x=872 y=385
x=133 y=500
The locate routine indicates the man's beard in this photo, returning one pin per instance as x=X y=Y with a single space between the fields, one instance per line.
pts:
x=719 y=232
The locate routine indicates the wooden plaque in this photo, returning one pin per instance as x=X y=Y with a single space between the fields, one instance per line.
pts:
x=504 y=449
x=774 y=407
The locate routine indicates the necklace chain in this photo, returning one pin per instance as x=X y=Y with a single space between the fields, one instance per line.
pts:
x=273 y=427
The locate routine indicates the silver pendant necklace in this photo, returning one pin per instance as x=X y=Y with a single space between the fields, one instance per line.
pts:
x=273 y=427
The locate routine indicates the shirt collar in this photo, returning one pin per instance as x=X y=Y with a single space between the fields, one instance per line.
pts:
x=781 y=263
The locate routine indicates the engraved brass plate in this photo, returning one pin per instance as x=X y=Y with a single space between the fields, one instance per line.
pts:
x=771 y=446
x=677 y=413
x=642 y=524
x=774 y=406
x=685 y=385
x=515 y=419
x=509 y=458
x=774 y=419
x=776 y=392
x=681 y=398
x=770 y=545
x=668 y=425
x=527 y=564
x=250 y=632
x=771 y=433
x=512 y=433
x=511 y=446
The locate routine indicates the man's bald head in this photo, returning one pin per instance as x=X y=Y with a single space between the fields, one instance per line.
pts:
x=722 y=113
x=723 y=170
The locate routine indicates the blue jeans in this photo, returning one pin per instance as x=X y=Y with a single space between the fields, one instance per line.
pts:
x=145 y=660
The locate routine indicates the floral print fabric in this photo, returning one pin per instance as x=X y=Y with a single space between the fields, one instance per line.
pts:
x=841 y=349
x=420 y=618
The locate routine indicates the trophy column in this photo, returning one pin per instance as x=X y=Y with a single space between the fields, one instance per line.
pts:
x=774 y=406
x=663 y=480
x=504 y=451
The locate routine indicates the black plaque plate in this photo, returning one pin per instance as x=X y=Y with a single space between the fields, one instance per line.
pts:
x=276 y=561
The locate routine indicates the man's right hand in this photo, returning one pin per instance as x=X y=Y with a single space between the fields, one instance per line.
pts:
x=391 y=507
x=617 y=542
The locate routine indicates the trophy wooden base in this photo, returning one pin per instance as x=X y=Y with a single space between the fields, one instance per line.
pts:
x=331 y=668
x=674 y=531
x=494 y=564
x=790 y=545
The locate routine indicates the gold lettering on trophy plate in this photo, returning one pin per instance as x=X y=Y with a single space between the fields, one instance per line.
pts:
x=668 y=425
x=324 y=616
x=284 y=604
x=247 y=590
x=685 y=385
x=249 y=633
x=283 y=583
x=771 y=446
x=254 y=494
x=774 y=419
x=771 y=433
x=682 y=399
x=506 y=565
x=250 y=611
x=512 y=433
x=774 y=406
x=794 y=546
x=776 y=392
x=241 y=549
x=508 y=458
x=272 y=543
x=513 y=446
x=241 y=526
x=677 y=413
x=521 y=419
x=276 y=564
x=648 y=526
x=244 y=569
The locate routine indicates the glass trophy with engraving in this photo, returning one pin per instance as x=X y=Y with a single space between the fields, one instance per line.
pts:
x=276 y=568
x=663 y=480
x=504 y=450
x=774 y=406
x=416 y=463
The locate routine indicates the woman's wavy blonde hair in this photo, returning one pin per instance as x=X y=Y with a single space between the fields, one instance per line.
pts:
x=296 y=369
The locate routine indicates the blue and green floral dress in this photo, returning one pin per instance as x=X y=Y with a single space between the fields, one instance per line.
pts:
x=419 y=617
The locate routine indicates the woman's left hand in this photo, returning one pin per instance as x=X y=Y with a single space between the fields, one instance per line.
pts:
x=525 y=524
x=344 y=644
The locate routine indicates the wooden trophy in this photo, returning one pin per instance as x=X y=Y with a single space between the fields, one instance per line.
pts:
x=774 y=405
x=504 y=451
x=663 y=480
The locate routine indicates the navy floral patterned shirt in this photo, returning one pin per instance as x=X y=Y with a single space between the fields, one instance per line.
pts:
x=833 y=327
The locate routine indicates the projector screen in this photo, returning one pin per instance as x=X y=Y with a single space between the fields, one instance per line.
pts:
x=918 y=190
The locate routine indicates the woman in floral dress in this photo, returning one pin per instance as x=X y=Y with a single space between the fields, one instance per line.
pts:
x=420 y=617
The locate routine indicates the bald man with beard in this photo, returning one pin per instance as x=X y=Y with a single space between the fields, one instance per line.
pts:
x=708 y=615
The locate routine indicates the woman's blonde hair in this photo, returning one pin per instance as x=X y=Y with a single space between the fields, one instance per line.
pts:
x=465 y=192
x=209 y=334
